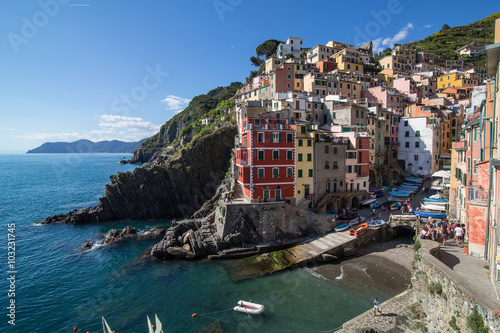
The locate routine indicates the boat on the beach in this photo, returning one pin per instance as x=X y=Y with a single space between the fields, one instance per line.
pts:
x=400 y=194
x=359 y=230
x=396 y=205
x=342 y=227
x=367 y=202
x=416 y=180
x=435 y=200
x=429 y=207
x=376 y=204
x=375 y=223
x=434 y=215
x=249 y=307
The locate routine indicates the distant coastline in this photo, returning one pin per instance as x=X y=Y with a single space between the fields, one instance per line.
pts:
x=86 y=146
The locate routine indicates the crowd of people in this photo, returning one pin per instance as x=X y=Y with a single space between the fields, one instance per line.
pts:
x=443 y=231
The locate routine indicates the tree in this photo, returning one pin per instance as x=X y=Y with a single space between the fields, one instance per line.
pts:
x=256 y=61
x=445 y=27
x=268 y=48
x=288 y=56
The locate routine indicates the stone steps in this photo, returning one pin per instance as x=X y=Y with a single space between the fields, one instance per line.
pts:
x=319 y=246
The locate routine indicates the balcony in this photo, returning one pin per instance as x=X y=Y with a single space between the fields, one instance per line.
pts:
x=477 y=194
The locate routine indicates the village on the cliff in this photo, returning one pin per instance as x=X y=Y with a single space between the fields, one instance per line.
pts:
x=323 y=128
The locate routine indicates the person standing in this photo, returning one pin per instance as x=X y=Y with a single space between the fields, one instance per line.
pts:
x=376 y=307
x=459 y=233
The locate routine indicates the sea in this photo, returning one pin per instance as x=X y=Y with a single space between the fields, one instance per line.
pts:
x=51 y=284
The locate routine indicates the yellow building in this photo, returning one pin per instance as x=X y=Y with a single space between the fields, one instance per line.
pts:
x=304 y=163
x=456 y=79
x=348 y=60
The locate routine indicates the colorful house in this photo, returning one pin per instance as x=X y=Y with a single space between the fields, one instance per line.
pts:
x=265 y=159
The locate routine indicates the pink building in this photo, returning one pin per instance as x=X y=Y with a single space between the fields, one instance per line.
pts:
x=407 y=86
x=389 y=97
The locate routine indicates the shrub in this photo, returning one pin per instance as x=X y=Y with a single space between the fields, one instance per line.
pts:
x=475 y=322
x=453 y=324
x=417 y=245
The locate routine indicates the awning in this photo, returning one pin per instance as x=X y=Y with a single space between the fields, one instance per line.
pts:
x=442 y=174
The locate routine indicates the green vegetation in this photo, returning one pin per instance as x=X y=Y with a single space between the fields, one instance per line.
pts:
x=475 y=322
x=187 y=123
x=446 y=41
x=417 y=245
x=453 y=324
x=268 y=48
x=435 y=288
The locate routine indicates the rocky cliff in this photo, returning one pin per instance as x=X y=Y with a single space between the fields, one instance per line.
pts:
x=162 y=189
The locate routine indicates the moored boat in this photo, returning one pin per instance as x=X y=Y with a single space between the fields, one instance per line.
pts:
x=396 y=205
x=375 y=223
x=342 y=227
x=249 y=307
x=359 y=230
x=436 y=200
x=376 y=204
x=367 y=202
x=434 y=215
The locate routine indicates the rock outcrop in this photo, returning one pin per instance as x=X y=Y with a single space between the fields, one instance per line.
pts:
x=176 y=188
x=115 y=235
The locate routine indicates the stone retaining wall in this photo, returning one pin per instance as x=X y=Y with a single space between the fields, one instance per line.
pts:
x=445 y=295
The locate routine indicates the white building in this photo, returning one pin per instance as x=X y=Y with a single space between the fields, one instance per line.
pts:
x=419 y=149
x=292 y=45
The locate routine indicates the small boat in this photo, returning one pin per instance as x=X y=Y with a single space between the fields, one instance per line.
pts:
x=433 y=215
x=342 y=227
x=357 y=220
x=348 y=216
x=367 y=202
x=359 y=230
x=248 y=307
x=436 y=200
x=375 y=223
x=400 y=194
x=394 y=199
x=415 y=180
x=396 y=205
x=376 y=204
x=433 y=208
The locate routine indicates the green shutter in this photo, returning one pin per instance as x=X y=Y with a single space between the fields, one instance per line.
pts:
x=279 y=138
x=272 y=138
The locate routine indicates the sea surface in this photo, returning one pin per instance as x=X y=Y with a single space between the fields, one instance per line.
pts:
x=59 y=286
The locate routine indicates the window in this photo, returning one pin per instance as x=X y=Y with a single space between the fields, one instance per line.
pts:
x=310 y=172
x=299 y=157
x=276 y=137
x=260 y=155
x=302 y=129
x=333 y=115
x=276 y=155
x=327 y=149
x=257 y=122
x=299 y=173
x=289 y=137
x=417 y=133
x=417 y=144
x=335 y=165
x=260 y=137
x=309 y=157
x=276 y=172
x=357 y=113
x=260 y=173
x=415 y=157
x=289 y=172
x=300 y=143
x=407 y=134
x=289 y=155
x=327 y=164
x=309 y=143
x=335 y=150
x=406 y=123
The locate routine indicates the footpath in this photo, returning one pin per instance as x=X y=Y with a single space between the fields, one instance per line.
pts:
x=473 y=273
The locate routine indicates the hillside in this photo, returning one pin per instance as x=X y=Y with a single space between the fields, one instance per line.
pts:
x=446 y=41
x=86 y=146
x=181 y=129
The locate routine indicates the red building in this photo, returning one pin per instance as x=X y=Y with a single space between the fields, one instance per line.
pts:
x=265 y=158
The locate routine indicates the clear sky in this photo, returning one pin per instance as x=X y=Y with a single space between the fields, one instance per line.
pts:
x=104 y=70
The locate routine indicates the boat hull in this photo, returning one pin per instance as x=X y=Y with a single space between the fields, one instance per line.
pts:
x=249 y=307
x=433 y=215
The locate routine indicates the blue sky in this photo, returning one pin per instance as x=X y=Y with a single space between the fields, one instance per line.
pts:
x=103 y=70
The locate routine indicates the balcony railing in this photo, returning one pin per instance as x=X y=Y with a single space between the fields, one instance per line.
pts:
x=477 y=193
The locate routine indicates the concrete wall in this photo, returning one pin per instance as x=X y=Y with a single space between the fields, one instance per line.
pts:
x=459 y=302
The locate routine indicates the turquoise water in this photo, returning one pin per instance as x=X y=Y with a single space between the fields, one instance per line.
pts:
x=58 y=286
